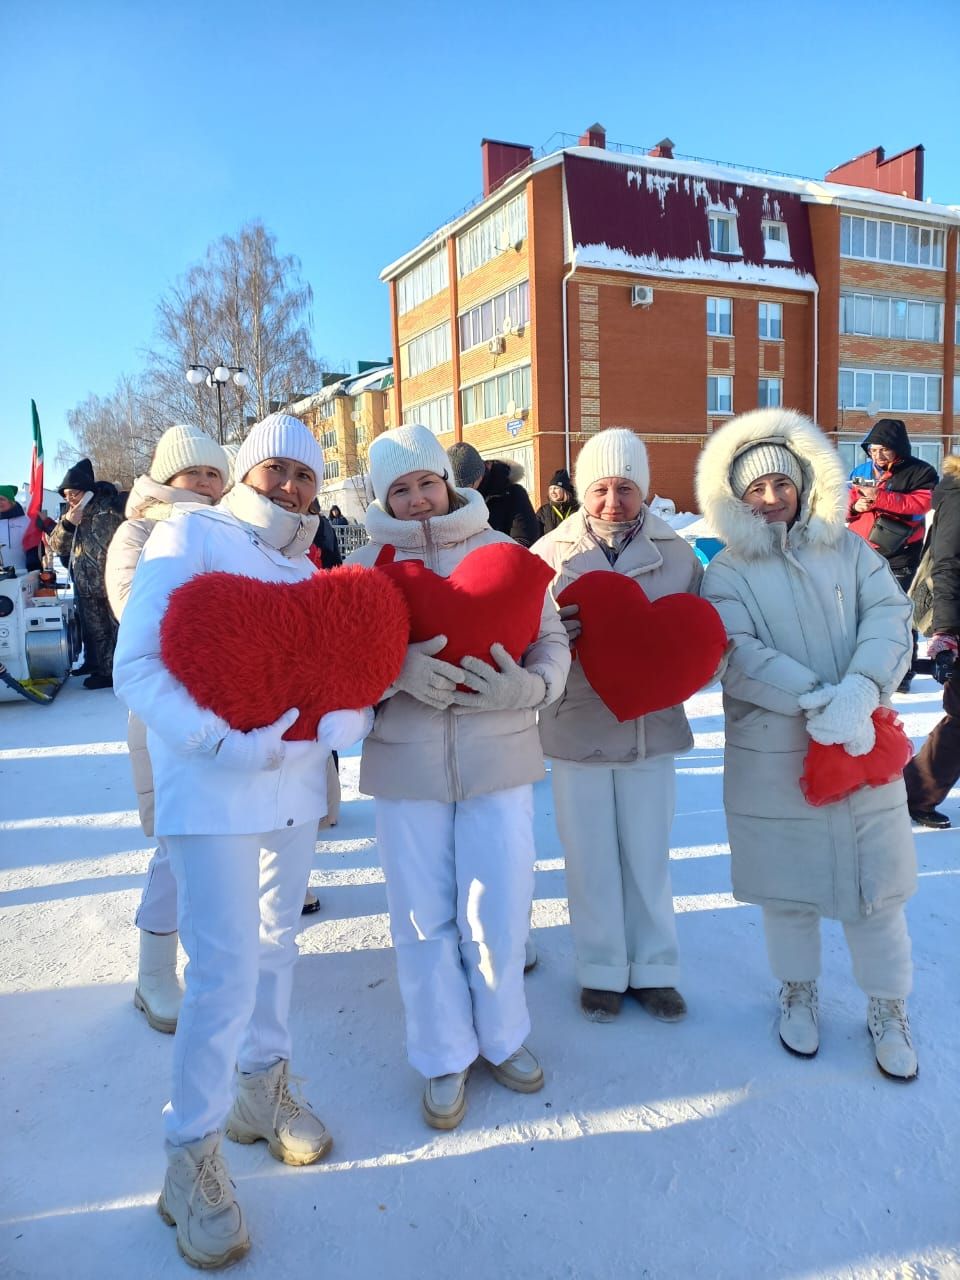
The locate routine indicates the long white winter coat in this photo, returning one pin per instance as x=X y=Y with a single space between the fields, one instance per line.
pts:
x=802 y=607
x=195 y=793
x=579 y=727
x=418 y=753
x=149 y=501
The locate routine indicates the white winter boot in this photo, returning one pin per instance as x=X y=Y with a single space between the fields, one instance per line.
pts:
x=158 y=992
x=265 y=1108
x=197 y=1198
x=520 y=1072
x=799 y=1030
x=445 y=1100
x=887 y=1022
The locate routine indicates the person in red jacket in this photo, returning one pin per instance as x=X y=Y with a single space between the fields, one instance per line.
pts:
x=890 y=495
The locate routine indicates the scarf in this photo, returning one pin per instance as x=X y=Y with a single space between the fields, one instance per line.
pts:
x=611 y=536
x=286 y=531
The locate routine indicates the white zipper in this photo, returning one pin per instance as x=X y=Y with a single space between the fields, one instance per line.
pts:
x=843 y=617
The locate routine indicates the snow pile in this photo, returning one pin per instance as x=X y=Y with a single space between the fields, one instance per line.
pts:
x=696 y=1150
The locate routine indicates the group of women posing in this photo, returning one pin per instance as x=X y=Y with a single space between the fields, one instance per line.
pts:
x=818 y=635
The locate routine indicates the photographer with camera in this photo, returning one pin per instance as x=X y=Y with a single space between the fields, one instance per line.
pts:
x=930 y=775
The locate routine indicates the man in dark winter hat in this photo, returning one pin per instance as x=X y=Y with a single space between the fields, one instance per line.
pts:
x=890 y=495
x=508 y=505
x=81 y=540
x=467 y=466
x=561 y=502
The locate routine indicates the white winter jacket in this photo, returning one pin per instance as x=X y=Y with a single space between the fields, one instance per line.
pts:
x=195 y=793
x=802 y=607
x=418 y=753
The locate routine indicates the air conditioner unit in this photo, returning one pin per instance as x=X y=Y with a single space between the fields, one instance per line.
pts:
x=641 y=295
x=507 y=326
x=497 y=346
x=356 y=416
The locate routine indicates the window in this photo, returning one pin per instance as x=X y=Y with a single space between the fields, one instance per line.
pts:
x=720 y=316
x=776 y=244
x=956 y=395
x=422 y=281
x=770 y=394
x=723 y=233
x=331 y=470
x=905 y=392
x=436 y=414
x=719 y=395
x=770 y=316
x=327 y=407
x=328 y=440
x=498 y=231
x=902 y=242
x=878 y=316
x=482 y=322
x=425 y=351
x=956 y=326
x=490 y=398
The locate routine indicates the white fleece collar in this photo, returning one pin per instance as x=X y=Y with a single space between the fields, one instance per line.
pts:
x=439 y=531
x=286 y=531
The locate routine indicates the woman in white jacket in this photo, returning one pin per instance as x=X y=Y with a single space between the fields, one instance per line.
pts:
x=188 y=468
x=451 y=760
x=819 y=636
x=239 y=812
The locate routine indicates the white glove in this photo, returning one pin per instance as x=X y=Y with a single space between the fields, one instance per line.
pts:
x=510 y=688
x=425 y=677
x=338 y=730
x=260 y=748
x=570 y=617
x=839 y=714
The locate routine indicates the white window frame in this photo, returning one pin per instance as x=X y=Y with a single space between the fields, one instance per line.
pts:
x=327 y=407
x=331 y=470
x=484 y=321
x=765 y=386
x=775 y=232
x=888 y=389
x=886 y=308
x=426 y=350
x=770 y=315
x=719 y=397
x=435 y=413
x=956 y=326
x=907 y=244
x=722 y=217
x=329 y=439
x=722 y=309
x=503 y=228
x=423 y=281
x=487 y=398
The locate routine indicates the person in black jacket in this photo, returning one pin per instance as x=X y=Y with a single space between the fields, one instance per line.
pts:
x=561 y=502
x=932 y=773
x=508 y=505
x=81 y=539
x=890 y=495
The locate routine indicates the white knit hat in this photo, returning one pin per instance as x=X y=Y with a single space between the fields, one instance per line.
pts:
x=614 y=452
x=182 y=447
x=280 y=435
x=405 y=449
x=768 y=458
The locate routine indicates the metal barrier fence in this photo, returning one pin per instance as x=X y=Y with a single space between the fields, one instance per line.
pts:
x=349 y=537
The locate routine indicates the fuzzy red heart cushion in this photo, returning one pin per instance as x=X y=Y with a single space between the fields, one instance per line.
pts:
x=494 y=596
x=640 y=657
x=249 y=650
x=831 y=774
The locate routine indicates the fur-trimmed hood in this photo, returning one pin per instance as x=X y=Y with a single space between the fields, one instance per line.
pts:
x=823 y=502
x=151 y=500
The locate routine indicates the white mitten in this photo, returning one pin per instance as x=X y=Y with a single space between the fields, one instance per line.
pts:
x=259 y=748
x=839 y=714
x=425 y=677
x=338 y=730
x=509 y=688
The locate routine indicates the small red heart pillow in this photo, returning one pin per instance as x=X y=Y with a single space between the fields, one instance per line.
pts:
x=640 y=657
x=831 y=774
x=494 y=596
x=249 y=650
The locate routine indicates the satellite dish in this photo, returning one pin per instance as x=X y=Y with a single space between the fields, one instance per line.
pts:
x=873 y=408
x=511 y=408
x=507 y=326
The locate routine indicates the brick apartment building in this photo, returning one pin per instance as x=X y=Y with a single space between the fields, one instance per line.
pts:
x=595 y=287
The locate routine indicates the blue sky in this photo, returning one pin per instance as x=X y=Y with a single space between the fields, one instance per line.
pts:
x=135 y=133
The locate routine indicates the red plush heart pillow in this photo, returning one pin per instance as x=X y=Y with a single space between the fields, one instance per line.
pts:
x=640 y=657
x=248 y=650
x=831 y=774
x=494 y=596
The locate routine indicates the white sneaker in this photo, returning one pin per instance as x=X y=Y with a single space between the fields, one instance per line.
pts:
x=158 y=994
x=799 y=1030
x=887 y=1022
x=445 y=1100
x=265 y=1108
x=520 y=1072
x=197 y=1198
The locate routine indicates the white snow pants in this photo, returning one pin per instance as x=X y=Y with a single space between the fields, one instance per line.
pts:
x=459 y=887
x=879 y=948
x=240 y=898
x=614 y=825
x=157 y=912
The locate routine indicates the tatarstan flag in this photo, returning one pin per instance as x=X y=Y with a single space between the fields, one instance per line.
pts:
x=31 y=538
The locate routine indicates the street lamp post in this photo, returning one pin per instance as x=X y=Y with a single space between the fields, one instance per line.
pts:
x=216 y=377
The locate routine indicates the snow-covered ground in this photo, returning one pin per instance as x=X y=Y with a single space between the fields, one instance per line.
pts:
x=700 y=1149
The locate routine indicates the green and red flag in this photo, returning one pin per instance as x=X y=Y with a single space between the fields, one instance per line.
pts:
x=31 y=538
